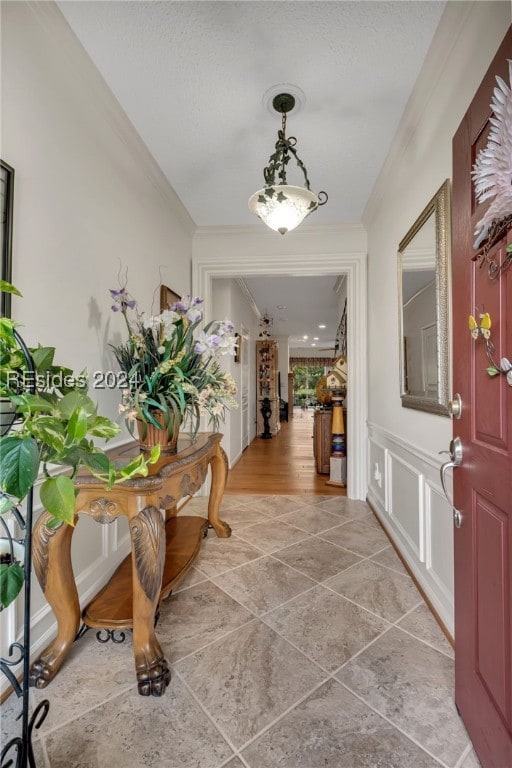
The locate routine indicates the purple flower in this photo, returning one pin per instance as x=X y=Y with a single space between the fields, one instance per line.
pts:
x=122 y=300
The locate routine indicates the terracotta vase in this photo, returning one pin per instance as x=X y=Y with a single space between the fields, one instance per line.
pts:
x=166 y=438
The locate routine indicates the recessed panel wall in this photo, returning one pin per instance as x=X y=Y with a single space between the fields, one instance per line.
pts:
x=411 y=506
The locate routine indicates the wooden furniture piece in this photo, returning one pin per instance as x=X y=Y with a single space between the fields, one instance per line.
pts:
x=267 y=385
x=291 y=378
x=162 y=552
x=322 y=439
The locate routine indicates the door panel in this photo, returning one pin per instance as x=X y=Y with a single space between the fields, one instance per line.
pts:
x=483 y=482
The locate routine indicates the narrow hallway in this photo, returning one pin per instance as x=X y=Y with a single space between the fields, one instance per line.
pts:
x=284 y=464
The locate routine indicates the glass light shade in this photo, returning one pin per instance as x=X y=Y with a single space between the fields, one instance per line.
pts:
x=282 y=207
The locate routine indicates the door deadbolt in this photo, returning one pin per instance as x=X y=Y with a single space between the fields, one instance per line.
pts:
x=455 y=406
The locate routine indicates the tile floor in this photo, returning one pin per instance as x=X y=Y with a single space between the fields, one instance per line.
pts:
x=300 y=642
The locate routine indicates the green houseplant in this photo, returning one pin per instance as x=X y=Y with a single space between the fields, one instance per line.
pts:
x=171 y=368
x=54 y=430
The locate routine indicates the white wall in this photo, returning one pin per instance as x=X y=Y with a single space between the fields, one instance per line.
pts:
x=88 y=197
x=283 y=347
x=229 y=301
x=404 y=444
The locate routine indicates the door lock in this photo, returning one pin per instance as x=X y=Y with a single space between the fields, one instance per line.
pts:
x=455 y=406
x=455 y=453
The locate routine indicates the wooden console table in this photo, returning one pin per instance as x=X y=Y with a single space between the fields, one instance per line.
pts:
x=162 y=552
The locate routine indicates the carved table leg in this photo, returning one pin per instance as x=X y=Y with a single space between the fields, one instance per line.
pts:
x=148 y=552
x=219 y=465
x=51 y=551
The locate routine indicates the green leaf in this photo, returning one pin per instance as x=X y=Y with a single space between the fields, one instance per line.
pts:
x=492 y=371
x=74 y=400
x=11 y=582
x=27 y=402
x=6 y=287
x=19 y=466
x=103 y=427
x=6 y=504
x=98 y=462
x=43 y=358
x=77 y=426
x=58 y=497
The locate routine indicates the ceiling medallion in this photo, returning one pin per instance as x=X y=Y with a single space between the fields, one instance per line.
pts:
x=282 y=206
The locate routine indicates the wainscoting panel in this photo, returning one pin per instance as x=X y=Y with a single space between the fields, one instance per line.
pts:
x=406 y=503
x=377 y=464
x=405 y=493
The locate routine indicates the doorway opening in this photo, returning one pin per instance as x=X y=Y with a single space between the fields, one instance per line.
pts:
x=208 y=263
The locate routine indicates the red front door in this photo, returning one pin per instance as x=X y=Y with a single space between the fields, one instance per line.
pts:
x=483 y=482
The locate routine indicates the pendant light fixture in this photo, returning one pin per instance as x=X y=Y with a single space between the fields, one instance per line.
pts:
x=283 y=206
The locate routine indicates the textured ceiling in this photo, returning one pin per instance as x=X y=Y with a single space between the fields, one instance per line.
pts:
x=192 y=75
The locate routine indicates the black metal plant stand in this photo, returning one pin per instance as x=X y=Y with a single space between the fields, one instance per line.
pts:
x=18 y=752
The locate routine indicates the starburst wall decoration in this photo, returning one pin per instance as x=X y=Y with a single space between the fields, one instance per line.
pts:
x=492 y=171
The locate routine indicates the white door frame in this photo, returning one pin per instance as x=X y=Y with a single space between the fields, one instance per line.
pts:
x=206 y=267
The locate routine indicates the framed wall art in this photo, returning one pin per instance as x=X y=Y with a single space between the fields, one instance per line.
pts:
x=168 y=297
x=6 y=206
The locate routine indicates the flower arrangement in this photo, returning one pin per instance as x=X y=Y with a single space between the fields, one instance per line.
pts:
x=171 y=369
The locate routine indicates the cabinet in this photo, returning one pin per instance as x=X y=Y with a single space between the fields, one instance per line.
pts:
x=267 y=384
x=322 y=438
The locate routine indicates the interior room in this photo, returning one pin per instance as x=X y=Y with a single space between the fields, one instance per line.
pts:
x=336 y=589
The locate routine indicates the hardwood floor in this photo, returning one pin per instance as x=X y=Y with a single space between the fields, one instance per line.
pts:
x=284 y=464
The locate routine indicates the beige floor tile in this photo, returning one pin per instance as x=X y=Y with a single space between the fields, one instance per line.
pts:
x=385 y=592
x=78 y=686
x=326 y=627
x=275 y=506
x=316 y=558
x=333 y=729
x=135 y=731
x=311 y=519
x=360 y=538
x=241 y=517
x=348 y=509
x=195 y=617
x=219 y=555
x=263 y=585
x=422 y=624
x=247 y=682
x=411 y=684
x=272 y=535
x=190 y=579
x=390 y=559
x=234 y=763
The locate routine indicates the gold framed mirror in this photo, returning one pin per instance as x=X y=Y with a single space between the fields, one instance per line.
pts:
x=423 y=301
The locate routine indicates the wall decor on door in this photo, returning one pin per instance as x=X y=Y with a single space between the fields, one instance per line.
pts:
x=6 y=207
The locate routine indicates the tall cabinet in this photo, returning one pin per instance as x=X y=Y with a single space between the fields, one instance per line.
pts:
x=267 y=385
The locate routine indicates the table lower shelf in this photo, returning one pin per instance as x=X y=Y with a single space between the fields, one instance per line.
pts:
x=112 y=606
